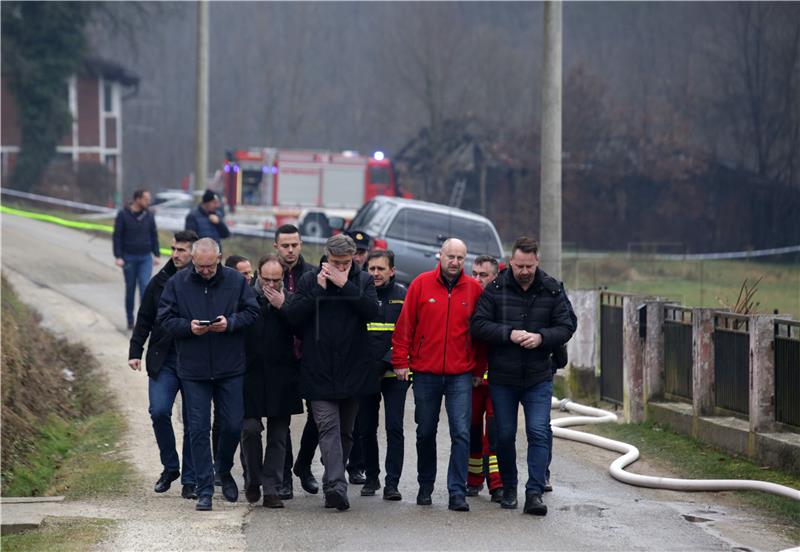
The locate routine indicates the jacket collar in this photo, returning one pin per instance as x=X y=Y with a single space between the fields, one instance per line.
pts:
x=386 y=290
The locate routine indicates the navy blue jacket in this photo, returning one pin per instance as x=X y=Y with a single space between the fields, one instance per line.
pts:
x=198 y=220
x=135 y=233
x=188 y=296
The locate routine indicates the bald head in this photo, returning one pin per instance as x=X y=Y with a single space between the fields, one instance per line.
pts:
x=451 y=257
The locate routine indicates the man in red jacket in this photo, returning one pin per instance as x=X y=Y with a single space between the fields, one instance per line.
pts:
x=432 y=338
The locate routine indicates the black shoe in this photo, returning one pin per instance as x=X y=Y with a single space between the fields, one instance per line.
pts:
x=424 y=497
x=165 y=480
x=357 y=477
x=229 y=488
x=458 y=503
x=474 y=490
x=534 y=505
x=286 y=491
x=548 y=488
x=307 y=480
x=497 y=495
x=272 y=501
x=509 y=500
x=253 y=494
x=189 y=491
x=370 y=487
x=203 y=504
x=217 y=480
x=391 y=493
x=335 y=500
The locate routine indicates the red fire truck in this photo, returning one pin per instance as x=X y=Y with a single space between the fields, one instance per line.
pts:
x=271 y=186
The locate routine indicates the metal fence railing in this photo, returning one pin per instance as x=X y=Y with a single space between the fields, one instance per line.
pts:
x=787 y=372
x=678 y=356
x=732 y=362
x=611 y=347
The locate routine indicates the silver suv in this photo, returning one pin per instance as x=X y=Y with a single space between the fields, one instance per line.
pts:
x=415 y=230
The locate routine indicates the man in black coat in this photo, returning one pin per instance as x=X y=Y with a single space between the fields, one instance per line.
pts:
x=289 y=246
x=206 y=310
x=163 y=383
x=208 y=218
x=523 y=317
x=270 y=386
x=331 y=307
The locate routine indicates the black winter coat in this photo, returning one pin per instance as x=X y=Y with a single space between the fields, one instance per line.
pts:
x=270 y=383
x=135 y=233
x=503 y=307
x=390 y=302
x=160 y=341
x=332 y=322
x=188 y=296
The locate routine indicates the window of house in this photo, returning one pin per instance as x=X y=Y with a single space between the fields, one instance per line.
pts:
x=108 y=97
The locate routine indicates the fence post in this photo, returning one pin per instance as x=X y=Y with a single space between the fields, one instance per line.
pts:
x=654 y=352
x=632 y=360
x=762 y=375
x=582 y=372
x=703 y=373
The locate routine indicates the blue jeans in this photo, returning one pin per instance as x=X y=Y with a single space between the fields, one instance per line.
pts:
x=162 y=390
x=137 y=269
x=457 y=392
x=536 y=407
x=394 y=406
x=228 y=395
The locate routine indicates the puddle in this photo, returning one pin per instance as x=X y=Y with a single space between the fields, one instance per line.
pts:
x=586 y=510
x=696 y=519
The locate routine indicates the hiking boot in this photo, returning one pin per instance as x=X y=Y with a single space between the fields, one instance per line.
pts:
x=474 y=490
x=391 y=493
x=458 y=503
x=497 y=495
x=509 y=500
x=534 y=505
x=272 y=501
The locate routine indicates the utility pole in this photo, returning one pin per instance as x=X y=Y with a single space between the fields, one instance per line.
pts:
x=550 y=193
x=201 y=131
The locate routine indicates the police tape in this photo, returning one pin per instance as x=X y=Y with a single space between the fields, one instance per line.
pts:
x=77 y=224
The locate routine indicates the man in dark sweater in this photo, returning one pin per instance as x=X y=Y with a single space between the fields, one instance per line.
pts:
x=136 y=248
x=208 y=218
x=163 y=382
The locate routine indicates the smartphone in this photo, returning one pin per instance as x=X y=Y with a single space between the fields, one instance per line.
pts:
x=209 y=322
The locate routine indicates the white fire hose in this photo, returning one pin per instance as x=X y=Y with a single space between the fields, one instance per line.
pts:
x=630 y=454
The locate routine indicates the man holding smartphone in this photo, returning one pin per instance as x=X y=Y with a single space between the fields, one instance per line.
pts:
x=205 y=309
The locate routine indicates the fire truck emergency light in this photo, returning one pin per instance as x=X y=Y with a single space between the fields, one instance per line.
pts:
x=378 y=155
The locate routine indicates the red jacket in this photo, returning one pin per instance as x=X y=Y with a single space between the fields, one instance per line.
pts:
x=432 y=334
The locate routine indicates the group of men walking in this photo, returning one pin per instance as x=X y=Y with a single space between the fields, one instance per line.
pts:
x=343 y=336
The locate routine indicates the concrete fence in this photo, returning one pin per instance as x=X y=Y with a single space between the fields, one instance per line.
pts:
x=708 y=373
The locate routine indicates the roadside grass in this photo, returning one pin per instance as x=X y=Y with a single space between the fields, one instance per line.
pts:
x=691 y=458
x=60 y=535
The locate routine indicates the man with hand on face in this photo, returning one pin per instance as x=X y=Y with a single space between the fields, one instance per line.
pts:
x=391 y=296
x=289 y=247
x=206 y=309
x=207 y=219
x=331 y=307
x=163 y=383
x=523 y=317
x=270 y=386
x=432 y=338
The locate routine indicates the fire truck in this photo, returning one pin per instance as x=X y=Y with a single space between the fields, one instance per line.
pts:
x=315 y=190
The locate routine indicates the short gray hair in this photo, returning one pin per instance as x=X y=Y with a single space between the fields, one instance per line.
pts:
x=205 y=244
x=340 y=245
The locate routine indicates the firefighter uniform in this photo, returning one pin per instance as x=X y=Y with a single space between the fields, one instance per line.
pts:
x=482 y=455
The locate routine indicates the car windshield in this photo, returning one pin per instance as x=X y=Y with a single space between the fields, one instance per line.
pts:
x=431 y=228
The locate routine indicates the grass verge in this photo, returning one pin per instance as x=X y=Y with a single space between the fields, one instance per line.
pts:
x=60 y=535
x=693 y=459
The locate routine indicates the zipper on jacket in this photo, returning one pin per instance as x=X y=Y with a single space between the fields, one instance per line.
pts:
x=446 y=325
x=210 y=351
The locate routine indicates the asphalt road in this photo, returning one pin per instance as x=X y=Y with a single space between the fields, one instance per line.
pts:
x=588 y=510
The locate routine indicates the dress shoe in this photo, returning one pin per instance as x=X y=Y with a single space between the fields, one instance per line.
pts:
x=307 y=479
x=509 y=500
x=203 y=504
x=286 y=491
x=336 y=500
x=272 y=501
x=474 y=490
x=424 y=497
x=370 y=487
x=229 y=488
x=497 y=495
x=357 y=477
x=189 y=491
x=391 y=493
x=165 y=480
x=548 y=488
x=253 y=494
x=534 y=505
x=458 y=503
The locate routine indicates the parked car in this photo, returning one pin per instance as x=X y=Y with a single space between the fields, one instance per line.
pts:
x=415 y=230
